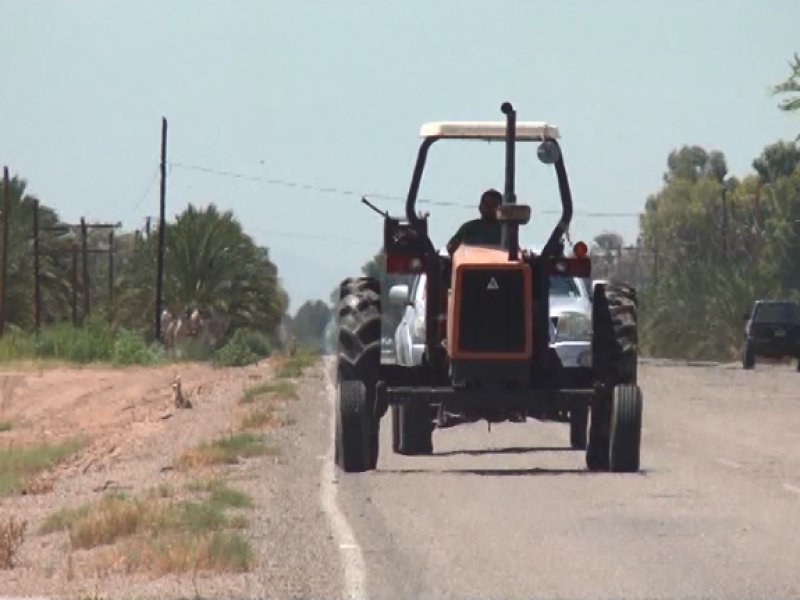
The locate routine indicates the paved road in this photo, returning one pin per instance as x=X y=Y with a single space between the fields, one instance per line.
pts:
x=514 y=513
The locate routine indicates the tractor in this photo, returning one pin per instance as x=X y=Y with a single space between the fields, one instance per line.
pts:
x=488 y=336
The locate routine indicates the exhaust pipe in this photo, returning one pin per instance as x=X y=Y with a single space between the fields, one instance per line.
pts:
x=510 y=235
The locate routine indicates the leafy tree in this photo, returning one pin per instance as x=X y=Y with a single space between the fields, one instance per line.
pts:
x=608 y=241
x=309 y=323
x=687 y=162
x=776 y=161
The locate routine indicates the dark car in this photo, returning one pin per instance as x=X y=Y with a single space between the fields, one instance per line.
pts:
x=772 y=331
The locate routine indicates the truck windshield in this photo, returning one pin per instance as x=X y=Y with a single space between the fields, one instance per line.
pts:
x=564 y=286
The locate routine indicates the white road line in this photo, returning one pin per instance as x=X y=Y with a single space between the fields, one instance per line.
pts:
x=355 y=570
x=791 y=488
x=729 y=463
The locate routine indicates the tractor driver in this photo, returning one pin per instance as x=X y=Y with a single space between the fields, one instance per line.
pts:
x=485 y=231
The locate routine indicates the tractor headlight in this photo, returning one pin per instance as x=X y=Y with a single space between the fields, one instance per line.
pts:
x=573 y=327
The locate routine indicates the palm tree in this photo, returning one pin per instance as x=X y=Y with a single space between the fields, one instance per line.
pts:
x=211 y=262
x=791 y=88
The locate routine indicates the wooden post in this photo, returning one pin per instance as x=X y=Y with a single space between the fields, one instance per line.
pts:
x=74 y=284
x=87 y=302
x=37 y=295
x=4 y=271
x=724 y=221
x=161 y=229
x=111 y=276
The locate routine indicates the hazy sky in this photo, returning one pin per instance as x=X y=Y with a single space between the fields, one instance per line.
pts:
x=332 y=95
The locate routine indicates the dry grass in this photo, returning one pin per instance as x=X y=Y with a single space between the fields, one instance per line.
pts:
x=226 y=450
x=221 y=494
x=271 y=390
x=6 y=426
x=158 y=535
x=178 y=552
x=293 y=367
x=21 y=464
x=259 y=419
x=12 y=535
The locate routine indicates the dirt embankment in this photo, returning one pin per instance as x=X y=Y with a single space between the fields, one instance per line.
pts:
x=132 y=438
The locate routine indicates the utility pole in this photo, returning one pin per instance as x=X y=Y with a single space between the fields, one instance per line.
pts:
x=724 y=220
x=111 y=276
x=161 y=229
x=757 y=218
x=4 y=272
x=147 y=226
x=37 y=296
x=74 y=284
x=87 y=301
x=85 y=252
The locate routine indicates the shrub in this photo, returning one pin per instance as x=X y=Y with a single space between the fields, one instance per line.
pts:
x=131 y=349
x=244 y=348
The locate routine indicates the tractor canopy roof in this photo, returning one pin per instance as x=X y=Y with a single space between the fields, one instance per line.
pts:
x=532 y=131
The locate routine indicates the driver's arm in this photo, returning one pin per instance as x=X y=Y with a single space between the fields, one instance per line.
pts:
x=456 y=240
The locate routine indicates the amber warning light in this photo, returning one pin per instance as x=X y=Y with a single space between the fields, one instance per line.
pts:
x=580 y=249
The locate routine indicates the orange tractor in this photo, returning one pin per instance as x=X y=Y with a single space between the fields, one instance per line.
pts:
x=494 y=359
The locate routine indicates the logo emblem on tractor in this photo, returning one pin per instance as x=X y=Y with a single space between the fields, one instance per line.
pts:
x=492 y=284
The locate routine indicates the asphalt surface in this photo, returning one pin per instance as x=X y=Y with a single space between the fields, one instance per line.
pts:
x=715 y=513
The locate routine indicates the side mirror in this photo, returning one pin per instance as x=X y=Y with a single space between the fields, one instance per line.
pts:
x=398 y=295
x=548 y=152
x=747 y=316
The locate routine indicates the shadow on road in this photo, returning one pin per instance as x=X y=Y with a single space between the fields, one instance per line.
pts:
x=489 y=472
x=513 y=450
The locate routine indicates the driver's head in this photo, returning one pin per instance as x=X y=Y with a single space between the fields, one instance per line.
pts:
x=490 y=202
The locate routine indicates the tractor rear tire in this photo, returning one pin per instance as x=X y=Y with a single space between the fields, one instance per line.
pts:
x=359 y=357
x=359 y=325
x=615 y=339
x=354 y=424
x=412 y=428
x=615 y=343
x=578 y=423
x=626 y=429
x=749 y=359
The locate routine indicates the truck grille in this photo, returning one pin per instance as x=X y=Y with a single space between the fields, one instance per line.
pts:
x=492 y=315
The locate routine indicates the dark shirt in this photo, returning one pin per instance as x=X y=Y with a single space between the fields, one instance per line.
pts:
x=478 y=232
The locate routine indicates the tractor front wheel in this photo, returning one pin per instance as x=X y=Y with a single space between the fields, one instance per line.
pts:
x=354 y=428
x=626 y=429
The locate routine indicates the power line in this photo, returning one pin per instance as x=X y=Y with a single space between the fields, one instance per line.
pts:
x=378 y=196
x=146 y=193
x=312 y=236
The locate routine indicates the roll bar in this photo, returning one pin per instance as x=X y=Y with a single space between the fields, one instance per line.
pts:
x=510 y=233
